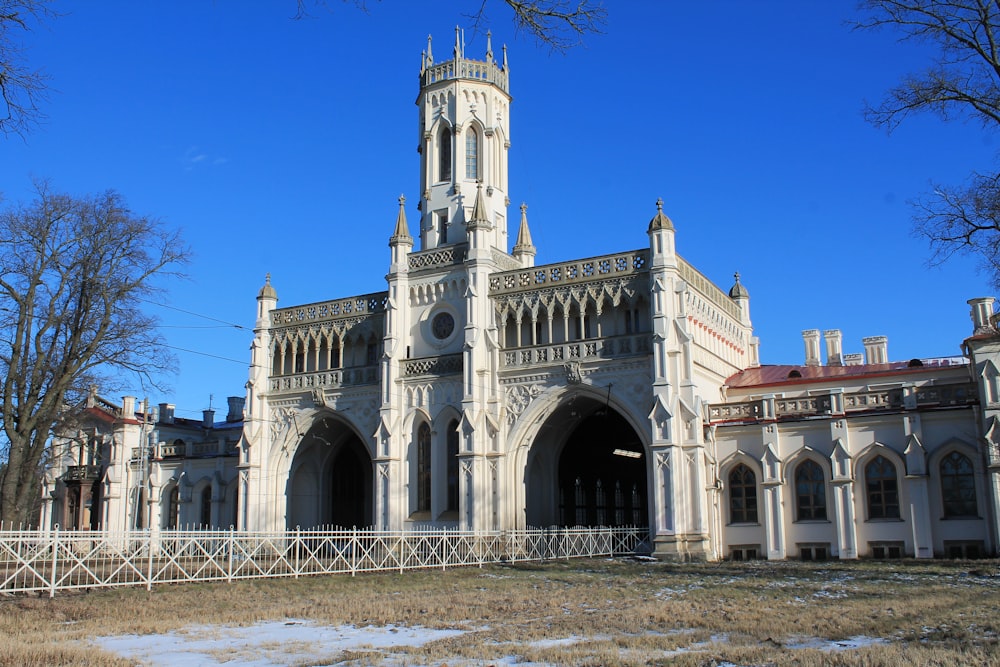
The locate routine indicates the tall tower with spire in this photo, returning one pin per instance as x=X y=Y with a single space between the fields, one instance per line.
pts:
x=464 y=138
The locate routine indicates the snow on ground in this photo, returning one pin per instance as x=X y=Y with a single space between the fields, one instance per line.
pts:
x=277 y=643
x=269 y=644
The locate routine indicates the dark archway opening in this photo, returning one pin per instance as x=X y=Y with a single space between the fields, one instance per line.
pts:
x=602 y=474
x=330 y=481
x=350 y=491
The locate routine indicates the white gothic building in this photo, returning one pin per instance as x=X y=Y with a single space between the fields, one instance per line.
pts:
x=480 y=391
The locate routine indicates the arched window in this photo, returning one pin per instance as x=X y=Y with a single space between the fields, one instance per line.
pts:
x=958 y=486
x=424 y=468
x=444 y=154
x=453 y=466
x=881 y=489
x=472 y=154
x=173 y=507
x=742 y=495
x=810 y=492
x=206 y=507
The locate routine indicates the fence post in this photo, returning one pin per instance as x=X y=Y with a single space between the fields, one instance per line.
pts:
x=354 y=548
x=297 y=547
x=55 y=551
x=149 y=560
x=229 y=558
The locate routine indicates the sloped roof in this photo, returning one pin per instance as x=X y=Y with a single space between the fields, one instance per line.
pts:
x=765 y=376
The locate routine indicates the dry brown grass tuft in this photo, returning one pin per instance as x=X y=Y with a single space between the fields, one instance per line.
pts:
x=606 y=612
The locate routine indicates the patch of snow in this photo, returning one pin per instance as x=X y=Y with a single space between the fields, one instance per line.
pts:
x=833 y=646
x=268 y=644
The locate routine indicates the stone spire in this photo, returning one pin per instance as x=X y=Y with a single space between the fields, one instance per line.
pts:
x=401 y=235
x=458 y=44
x=524 y=248
x=504 y=64
x=660 y=221
x=479 y=216
x=489 y=47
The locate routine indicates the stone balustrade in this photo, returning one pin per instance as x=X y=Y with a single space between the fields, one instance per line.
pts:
x=326 y=311
x=840 y=403
x=333 y=378
x=566 y=273
x=443 y=365
x=560 y=353
x=461 y=68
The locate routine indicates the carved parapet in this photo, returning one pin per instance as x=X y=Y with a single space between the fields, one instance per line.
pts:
x=444 y=365
x=566 y=273
x=326 y=311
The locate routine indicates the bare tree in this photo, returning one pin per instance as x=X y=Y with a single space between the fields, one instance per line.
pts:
x=558 y=24
x=21 y=87
x=72 y=273
x=962 y=83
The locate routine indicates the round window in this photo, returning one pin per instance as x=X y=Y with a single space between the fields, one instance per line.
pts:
x=442 y=325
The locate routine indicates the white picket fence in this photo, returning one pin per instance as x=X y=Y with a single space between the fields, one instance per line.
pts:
x=53 y=560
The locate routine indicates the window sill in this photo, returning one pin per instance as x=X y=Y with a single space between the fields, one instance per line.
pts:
x=743 y=524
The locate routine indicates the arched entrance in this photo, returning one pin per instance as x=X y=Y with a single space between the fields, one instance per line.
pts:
x=586 y=467
x=330 y=481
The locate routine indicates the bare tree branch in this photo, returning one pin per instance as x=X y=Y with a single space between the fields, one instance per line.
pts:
x=72 y=272
x=963 y=83
x=558 y=24
x=22 y=88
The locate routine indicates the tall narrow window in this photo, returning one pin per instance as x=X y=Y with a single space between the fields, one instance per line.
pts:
x=472 y=155
x=442 y=225
x=206 y=507
x=742 y=495
x=173 y=508
x=881 y=489
x=453 y=466
x=444 y=155
x=958 y=486
x=424 y=468
x=810 y=492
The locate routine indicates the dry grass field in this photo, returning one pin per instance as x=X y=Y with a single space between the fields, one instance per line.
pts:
x=581 y=612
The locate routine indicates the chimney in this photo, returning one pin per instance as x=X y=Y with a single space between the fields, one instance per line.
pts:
x=128 y=407
x=811 y=338
x=235 y=408
x=982 y=310
x=166 y=413
x=834 y=353
x=856 y=359
x=208 y=418
x=876 y=349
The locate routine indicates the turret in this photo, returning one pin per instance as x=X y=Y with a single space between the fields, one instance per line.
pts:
x=464 y=138
x=661 y=238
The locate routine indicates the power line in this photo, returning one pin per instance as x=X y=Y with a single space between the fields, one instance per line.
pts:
x=206 y=317
x=206 y=354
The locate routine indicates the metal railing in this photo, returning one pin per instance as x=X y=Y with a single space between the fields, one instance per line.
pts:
x=54 y=560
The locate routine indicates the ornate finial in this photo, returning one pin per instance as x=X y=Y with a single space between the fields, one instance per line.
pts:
x=489 y=47
x=267 y=291
x=505 y=57
x=660 y=221
x=402 y=200
x=458 y=44
x=524 y=208
x=430 y=56
x=659 y=204
x=738 y=290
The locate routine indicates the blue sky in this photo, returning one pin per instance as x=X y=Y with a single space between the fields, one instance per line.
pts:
x=281 y=146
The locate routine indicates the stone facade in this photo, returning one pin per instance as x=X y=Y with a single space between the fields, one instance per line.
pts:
x=481 y=391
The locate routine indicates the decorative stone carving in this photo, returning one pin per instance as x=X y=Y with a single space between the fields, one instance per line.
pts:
x=573 y=372
x=518 y=398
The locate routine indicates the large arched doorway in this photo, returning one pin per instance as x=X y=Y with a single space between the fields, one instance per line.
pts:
x=330 y=481
x=586 y=467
